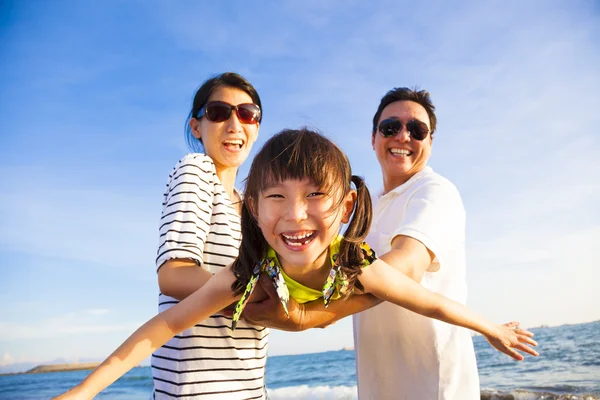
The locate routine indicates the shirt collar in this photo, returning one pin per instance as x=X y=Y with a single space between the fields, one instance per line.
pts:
x=398 y=190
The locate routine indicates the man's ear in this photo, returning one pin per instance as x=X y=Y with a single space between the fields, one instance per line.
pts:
x=348 y=206
x=373 y=141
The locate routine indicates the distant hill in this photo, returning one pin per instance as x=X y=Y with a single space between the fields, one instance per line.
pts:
x=51 y=368
x=62 y=367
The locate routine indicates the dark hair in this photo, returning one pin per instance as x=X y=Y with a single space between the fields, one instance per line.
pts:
x=300 y=154
x=421 y=97
x=230 y=79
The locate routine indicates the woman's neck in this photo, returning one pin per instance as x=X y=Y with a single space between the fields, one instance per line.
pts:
x=227 y=177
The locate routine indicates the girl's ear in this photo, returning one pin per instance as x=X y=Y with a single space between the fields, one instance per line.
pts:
x=348 y=206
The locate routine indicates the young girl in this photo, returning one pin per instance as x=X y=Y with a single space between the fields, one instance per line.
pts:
x=298 y=193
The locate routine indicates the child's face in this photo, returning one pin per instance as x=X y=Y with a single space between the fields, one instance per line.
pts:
x=297 y=220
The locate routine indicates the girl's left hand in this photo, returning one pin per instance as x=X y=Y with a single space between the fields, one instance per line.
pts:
x=509 y=336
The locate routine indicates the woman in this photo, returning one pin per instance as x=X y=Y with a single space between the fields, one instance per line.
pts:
x=200 y=234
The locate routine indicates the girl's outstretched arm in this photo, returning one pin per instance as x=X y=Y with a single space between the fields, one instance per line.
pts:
x=212 y=297
x=389 y=284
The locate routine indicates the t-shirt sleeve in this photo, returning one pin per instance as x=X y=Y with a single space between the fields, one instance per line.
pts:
x=435 y=216
x=187 y=210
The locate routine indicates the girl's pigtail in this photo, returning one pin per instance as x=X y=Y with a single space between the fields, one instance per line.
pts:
x=351 y=255
x=252 y=249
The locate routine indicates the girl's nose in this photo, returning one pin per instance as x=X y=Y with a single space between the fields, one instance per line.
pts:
x=297 y=211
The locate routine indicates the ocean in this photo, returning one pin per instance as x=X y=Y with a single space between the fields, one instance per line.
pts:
x=568 y=368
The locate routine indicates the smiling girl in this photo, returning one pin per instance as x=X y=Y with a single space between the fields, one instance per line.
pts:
x=299 y=191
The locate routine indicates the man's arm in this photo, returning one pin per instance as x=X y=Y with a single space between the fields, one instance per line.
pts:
x=408 y=256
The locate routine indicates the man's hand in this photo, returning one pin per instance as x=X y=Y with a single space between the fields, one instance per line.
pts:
x=270 y=313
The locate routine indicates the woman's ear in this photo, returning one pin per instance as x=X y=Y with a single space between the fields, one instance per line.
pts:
x=195 y=128
x=348 y=206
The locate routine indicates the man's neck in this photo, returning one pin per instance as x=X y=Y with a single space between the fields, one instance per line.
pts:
x=392 y=182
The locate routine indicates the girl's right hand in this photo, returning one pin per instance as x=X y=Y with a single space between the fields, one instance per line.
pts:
x=507 y=337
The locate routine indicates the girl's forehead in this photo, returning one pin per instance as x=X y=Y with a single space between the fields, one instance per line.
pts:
x=290 y=182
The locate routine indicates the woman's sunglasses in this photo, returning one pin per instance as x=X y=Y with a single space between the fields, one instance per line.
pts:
x=219 y=111
x=391 y=127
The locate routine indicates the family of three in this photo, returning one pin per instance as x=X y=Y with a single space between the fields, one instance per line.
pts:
x=231 y=265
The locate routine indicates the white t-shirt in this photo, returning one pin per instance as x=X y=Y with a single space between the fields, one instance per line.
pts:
x=401 y=354
x=208 y=361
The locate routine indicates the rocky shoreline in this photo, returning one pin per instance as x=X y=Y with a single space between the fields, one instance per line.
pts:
x=57 y=368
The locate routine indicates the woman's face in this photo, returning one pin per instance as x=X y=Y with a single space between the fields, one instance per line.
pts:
x=229 y=142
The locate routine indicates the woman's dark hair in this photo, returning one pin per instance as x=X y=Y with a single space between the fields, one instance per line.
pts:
x=421 y=97
x=230 y=79
x=301 y=154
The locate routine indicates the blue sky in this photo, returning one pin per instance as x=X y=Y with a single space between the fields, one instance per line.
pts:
x=95 y=94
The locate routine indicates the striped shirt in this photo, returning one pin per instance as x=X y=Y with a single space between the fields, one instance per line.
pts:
x=208 y=361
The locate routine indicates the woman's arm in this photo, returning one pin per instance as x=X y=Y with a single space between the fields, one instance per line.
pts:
x=178 y=278
x=200 y=305
x=389 y=284
x=184 y=227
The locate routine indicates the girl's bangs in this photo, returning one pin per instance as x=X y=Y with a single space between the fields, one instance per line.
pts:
x=299 y=155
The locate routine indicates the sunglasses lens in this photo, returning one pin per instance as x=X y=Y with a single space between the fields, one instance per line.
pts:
x=417 y=129
x=248 y=113
x=390 y=127
x=218 y=112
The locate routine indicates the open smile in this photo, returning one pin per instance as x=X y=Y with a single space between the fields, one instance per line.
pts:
x=400 y=152
x=233 y=144
x=298 y=239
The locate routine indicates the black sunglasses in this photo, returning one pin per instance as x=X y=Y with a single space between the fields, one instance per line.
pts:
x=391 y=127
x=219 y=111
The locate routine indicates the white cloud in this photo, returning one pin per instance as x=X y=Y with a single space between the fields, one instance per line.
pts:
x=72 y=324
x=98 y=311
x=6 y=360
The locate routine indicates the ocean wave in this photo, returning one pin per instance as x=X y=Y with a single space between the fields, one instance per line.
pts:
x=492 y=394
x=305 y=392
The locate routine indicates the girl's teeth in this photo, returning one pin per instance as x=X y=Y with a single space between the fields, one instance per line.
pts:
x=299 y=236
x=298 y=239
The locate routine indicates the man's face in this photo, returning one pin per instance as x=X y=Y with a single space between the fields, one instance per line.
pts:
x=401 y=156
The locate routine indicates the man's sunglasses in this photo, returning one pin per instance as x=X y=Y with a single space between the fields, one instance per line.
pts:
x=219 y=111
x=391 y=127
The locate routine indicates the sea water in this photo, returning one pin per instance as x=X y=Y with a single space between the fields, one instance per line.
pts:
x=568 y=368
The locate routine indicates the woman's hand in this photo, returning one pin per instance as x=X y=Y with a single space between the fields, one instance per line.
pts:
x=507 y=337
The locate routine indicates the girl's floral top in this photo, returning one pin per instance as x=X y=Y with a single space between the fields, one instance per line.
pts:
x=336 y=284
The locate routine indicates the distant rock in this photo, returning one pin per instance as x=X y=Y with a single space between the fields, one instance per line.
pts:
x=57 y=368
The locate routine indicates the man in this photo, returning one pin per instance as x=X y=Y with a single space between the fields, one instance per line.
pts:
x=419 y=223
x=419 y=228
